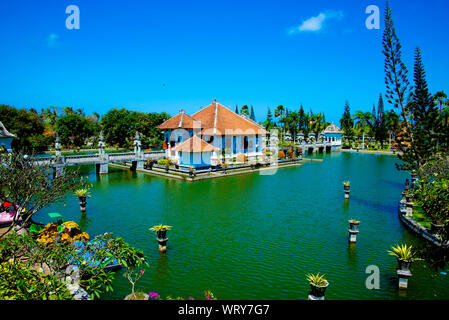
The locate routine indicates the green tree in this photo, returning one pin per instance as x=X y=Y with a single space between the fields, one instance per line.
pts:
x=317 y=123
x=380 y=129
x=392 y=123
x=268 y=124
x=245 y=110
x=27 y=125
x=363 y=121
x=279 y=112
x=424 y=125
x=116 y=124
x=346 y=122
x=74 y=128
x=253 y=115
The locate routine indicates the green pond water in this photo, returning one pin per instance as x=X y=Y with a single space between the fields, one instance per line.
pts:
x=255 y=236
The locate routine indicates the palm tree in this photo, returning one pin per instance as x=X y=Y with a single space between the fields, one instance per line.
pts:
x=279 y=113
x=293 y=123
x=440 y=99
x=363 y=121
x=317 y=123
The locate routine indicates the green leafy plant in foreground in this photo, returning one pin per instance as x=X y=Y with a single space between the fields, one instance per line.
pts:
x=19 y=282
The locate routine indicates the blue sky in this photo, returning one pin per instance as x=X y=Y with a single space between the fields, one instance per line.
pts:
x=157 y=56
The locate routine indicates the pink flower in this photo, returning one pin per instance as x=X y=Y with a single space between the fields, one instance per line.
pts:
x=142 y=271
x=190 y=298
x=154 y=295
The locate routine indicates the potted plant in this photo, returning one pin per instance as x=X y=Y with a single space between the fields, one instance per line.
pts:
x=150 y=164
x=405 y=255
x=354 y=224
x=133 y=277
x=161 y=230
x=82 y=195
x=436 y=226
x=318 y=284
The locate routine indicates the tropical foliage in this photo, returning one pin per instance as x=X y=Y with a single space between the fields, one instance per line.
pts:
x=165 y=162
x=36 y=131
x=316 y=280
x=404 y=252
x=160 y=227
x=32 y=187
x=19 y=282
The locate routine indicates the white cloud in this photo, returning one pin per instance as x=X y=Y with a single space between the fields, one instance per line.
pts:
x=315 y=24
x=52 y=39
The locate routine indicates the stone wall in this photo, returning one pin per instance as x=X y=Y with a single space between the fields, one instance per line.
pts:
x=419 y=229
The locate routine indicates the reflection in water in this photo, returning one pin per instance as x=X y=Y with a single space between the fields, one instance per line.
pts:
x=381 y=206
x=161 y=272
x=352 y=254
x=84 y=221
x=102 y=179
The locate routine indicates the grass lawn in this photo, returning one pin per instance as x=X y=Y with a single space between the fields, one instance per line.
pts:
x=418 y=216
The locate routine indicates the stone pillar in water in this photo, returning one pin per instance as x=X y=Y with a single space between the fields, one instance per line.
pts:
x=353 y=230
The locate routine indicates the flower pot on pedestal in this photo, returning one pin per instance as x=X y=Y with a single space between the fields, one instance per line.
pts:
x=404 y=265
x=353 y=230
x=83 y=203
x=318 y=292
x=436 y=227
x=347 y=189
x=161 y=234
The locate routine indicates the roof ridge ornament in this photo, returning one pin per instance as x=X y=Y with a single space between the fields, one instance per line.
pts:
x=5 y=133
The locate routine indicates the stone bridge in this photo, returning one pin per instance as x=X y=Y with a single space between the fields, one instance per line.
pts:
x=100 y=159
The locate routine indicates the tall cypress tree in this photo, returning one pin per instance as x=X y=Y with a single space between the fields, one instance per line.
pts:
x=380 y=125
x=397 y=89
x=237 y=109
x=268 y=124
x=346 y=122
x=424 y=112
x=252 y=116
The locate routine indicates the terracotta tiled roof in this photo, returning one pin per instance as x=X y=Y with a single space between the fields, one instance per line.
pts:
x=5 y=133
x=195 y=144
x=181 y=121
x=218 y=117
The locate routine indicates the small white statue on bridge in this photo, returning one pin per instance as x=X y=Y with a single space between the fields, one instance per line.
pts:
x=101 y=146
x=137 y=145
x=57 y=146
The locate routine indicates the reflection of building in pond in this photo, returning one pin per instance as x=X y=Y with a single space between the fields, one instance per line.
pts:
x=5 y=138
x=214 y=132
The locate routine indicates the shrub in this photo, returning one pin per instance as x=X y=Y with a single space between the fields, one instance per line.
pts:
x=281 y=155
x=242 y=158
x=434 y=200
x=19 y=282
x=165 y=162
